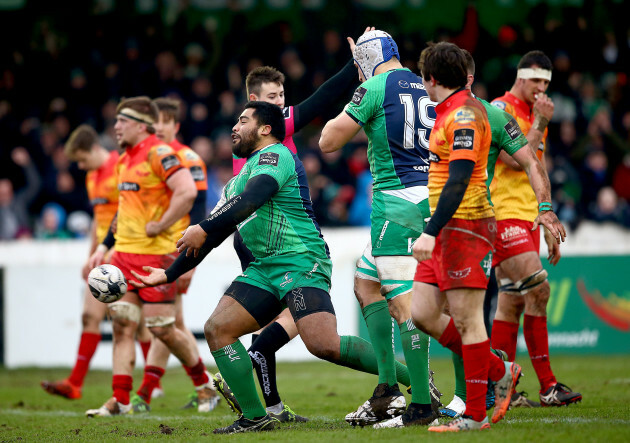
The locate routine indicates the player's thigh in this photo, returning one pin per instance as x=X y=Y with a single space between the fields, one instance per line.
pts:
x=427 y=302
x=314 y=316
x=367 y=286
x=396 y=273
x=519 y=266
x=251 y=304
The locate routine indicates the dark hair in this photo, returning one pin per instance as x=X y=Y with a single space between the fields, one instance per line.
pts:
x=446 y=63
x=260 y=75
x=83 y=138
x=143 y=105
x=470 y=62
x=170 y=107
x=537 y=58
x=269 y=114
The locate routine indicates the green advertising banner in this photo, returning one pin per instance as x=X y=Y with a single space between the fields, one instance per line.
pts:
x=588 y=310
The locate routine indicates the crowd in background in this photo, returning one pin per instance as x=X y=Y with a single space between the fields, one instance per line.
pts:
x=54 y=77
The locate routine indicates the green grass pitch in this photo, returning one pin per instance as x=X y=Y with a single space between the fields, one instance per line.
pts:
x=324 y=393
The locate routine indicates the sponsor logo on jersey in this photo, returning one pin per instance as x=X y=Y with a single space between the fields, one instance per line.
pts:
x=162 y=150
x=170 y=161
x=513 y=129
x=143 y=173
x=463 y=139
x=421 y=168
x=269 y=158
x=286 y=280
x=358 y=95
x=99 y=201
x=197 y=174
x=309 y=274
x=416 y=85
x=462 y=273
x=464 y=116
x=286 y=112
x=499 y=104
x=433 y=157
x=191 y=155
x=128 y=186
x=403 y=84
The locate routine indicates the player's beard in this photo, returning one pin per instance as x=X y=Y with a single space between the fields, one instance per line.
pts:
x=246 y=144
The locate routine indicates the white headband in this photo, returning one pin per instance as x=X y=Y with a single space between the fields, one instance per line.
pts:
x=137 y=116
x=528 y=73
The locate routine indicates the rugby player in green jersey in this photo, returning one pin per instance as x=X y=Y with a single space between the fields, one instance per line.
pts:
x=292 y=267
x=393 y=108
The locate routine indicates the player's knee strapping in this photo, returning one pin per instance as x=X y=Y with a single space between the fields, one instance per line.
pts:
x=122 y=310
x=524 y=285
x=159 y=321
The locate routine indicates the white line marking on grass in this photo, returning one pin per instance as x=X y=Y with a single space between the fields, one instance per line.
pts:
x=571 y=420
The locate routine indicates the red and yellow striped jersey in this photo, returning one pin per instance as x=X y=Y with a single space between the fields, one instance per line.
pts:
x=102 y=189
x=461 y=132
x=144 y=197
x=511 y=191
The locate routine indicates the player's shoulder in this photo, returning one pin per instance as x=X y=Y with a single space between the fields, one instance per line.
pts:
x=188 y=154
x=502 y=102
x=161 y=149
x=274 y=155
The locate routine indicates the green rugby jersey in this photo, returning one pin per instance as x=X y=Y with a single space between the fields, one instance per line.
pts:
x=397 y=115
x=506 y=136
x=283 y=224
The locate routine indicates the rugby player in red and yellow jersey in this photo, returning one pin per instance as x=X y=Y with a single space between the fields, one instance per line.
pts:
x=155 y=193
x=102 y=188
x=455 y=249
x=522 y=279
x=166 y=129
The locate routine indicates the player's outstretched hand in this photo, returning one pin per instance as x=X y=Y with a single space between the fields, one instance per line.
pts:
x=351 y=40
x=549 y=220
x=193 y=239
x=97 y=257
x=157 y=276
x=423 y=247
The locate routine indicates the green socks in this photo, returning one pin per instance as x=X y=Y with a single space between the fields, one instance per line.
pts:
x=415 y=345
x=379 y=324
x=460 y=378
x=236 y=368
x=358 y=354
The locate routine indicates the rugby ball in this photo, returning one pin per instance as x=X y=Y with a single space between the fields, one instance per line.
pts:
x=107 y=283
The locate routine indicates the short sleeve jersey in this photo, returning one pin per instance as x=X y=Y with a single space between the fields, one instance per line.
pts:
x=289 y=127
x=102 y=189
x=144 y=197
x=397 y=115
x=506 y=136
x=511 y=191
x=191 y=160
x=461 y=132
x=282 y=225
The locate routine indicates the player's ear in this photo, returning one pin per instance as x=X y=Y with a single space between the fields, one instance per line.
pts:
x=253 y=97
x=264 y=130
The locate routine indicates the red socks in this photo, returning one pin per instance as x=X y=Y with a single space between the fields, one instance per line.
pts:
x=504 y=336
x=151 y=380
x=536 y=337
x=451 y=339
x=476 y=363
x=122 y=384
x=197 y=373
x=87 y=347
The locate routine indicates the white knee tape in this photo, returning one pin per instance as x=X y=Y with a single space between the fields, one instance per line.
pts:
x=125 y=311
x=159 y=321
x=528 y=283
